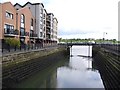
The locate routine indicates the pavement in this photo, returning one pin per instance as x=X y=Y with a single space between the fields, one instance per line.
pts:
x=23 y=51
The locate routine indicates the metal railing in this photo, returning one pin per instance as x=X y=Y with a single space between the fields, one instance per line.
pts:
x=6 y=49
x=113 y=48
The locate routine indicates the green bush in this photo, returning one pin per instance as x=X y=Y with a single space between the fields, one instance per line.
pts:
x=12 y=42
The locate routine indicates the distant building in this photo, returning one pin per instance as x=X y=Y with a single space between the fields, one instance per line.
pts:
x=44 y=26
x=55 y=29
x=52 y=28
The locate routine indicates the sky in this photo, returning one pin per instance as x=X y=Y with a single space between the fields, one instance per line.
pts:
x=82 y=18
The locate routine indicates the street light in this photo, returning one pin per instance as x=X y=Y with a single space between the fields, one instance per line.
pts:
x=104 y=33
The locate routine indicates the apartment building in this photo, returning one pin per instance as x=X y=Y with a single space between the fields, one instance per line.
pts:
x=37 y=10
x=0 y=28
x=44 y=26
x=48 y=28
x=28 y=23
x=51 y=31
x=17 y=24
x=25 y=25
x=55 y=29
x=44 y=22
x=1 y=33
x=8 y=21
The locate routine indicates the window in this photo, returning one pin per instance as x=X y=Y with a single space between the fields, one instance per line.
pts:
x=22 y=31
x=44 y=16
x=44 y=21
x=9 y=15
x=31 y=33
x=44 y=28
x=41 y=27
x=22 y=18
x=40 y=34
x=8 y=29
x=31 y=22
x=22 y=21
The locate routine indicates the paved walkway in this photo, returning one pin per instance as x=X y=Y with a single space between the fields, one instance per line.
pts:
x=30 y=50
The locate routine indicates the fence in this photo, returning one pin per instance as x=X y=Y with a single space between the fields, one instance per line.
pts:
x=6 y=48
x=114 y=48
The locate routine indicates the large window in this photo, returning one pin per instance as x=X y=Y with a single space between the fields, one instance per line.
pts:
x=31 y=33
x=31 y=22
x=8 y=29
x=22 y=18
x=9 y=15
x=22 y=31
x=41 y=34
x=22 y=27
x=22 y=21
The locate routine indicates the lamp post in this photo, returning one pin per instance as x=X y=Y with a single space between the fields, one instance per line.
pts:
x=104 y=33
x=71 y=48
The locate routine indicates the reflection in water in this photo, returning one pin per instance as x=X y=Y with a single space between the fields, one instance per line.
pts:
x=75 y=72
x=79 y=74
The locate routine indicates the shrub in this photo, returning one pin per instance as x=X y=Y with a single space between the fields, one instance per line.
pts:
x=12 y=42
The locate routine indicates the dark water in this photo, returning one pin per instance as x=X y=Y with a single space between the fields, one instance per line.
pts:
x=70 y=72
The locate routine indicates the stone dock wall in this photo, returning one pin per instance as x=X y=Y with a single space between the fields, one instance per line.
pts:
x=16 y=67
x=109 y=67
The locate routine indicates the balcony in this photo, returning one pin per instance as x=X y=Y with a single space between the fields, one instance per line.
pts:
x=22 y=34
x=48 y=19
x=48 y=38
x=48 y=26
x=33 y=35
x=48 y=31
x=8 y=32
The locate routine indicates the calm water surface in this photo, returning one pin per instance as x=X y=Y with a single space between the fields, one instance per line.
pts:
x=73 y=72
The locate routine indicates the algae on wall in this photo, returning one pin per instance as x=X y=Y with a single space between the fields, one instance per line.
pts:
x=26 y=56
x=109 y=67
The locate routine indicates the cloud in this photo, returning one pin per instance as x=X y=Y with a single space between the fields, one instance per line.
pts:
x=82 y=16
x=85 y=16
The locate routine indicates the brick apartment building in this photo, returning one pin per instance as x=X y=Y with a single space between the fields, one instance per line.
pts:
x=8 y=21
x=17 y=24
x=25 y=25
x=44 y=22
x=29 y=23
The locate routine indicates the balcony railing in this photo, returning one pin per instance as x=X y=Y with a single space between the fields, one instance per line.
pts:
x=48 y=26
x=11 y=32
x=22 y=33
x=48 y=31
x=48 y=38
x=33 y=35
x=48 y=19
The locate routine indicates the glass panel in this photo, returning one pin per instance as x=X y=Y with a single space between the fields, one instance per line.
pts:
x=22 y=32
